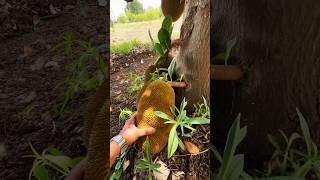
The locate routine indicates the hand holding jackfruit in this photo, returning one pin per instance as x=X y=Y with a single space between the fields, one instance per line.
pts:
x=157 y=96
x=173 y=8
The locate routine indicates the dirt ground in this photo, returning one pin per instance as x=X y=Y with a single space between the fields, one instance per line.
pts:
x=193 y=167
x=28 y=73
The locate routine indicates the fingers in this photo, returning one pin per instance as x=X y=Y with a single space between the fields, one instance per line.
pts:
x=146 y=132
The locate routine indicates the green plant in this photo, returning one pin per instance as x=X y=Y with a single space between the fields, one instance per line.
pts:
x=136 y=83
x=294 y=161
x=181 y=122
x=125 y=114
x=148 y=15
x=224 y=56
x=118 y=167
x=51 y=158
x=146 y=163
x=82 y=78
x=232 y=166
x=164 y=37
x=202 y=109
x=125 y=47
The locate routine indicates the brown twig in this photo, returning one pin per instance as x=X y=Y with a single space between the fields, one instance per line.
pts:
x=192 y=154
x=177 y=84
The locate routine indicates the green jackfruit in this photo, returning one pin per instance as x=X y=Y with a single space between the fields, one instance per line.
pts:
x=157 y=96
x=174 y=8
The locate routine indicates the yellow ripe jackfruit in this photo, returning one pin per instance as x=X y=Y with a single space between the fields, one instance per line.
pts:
x=174 y=8
x=157 y=96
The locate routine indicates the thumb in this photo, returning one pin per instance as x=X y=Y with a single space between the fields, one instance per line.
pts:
x=146 y=131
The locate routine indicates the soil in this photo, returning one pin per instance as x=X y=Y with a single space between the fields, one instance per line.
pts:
x=29 y=72
x=192 y=167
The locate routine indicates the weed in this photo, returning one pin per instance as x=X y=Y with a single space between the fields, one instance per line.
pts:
x=80 y=79
x=295 y=164
x=146 y=164
x=118 y=167
x=182 y=122
x=224 y=56
x=136 y=83
x=125 y=47
x=51 y=158
x=125 y=114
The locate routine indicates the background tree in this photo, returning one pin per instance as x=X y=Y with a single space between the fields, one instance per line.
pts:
x=278 y=48
x=134 y=7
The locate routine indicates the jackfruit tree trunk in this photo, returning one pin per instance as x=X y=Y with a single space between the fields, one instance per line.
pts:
x=193 y=60
x=279 y=48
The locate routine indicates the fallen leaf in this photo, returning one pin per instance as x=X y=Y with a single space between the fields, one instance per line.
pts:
x=164 y=171
x=191 y=148
x=126 y=165
x=51 y=64
x=178 y=175
x=27 y=51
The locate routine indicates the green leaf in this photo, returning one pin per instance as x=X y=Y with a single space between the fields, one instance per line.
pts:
x=148 y=156
x=181 y=145
x=303 y=170
x=54 y=151
x=233 y=140
x=281 y=178
x=305 y=131
x=116 y=175
x=158 y=48
x=172 y=68
x=164 y=38
x=167 y=24
x=216 y=153
x=64 y=162
x=230 y=45
x=163 y=115
x=173 y=141
x=236 y=167
x=40 y=172
x=199 y=120
x=219 y=58
x=274 y=142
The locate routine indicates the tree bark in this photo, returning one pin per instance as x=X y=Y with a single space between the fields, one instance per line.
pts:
x=279 y=49
x=193 y=60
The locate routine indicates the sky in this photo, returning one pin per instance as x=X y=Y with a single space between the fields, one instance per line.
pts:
x=118 y=6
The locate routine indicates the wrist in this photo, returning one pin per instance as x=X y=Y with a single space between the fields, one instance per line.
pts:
x=121 y=141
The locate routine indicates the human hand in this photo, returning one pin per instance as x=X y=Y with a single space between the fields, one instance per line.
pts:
x=130 y=132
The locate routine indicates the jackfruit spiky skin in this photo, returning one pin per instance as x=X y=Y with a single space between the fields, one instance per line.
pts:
x=174 y=8
x=157 y=96
x=96 y=133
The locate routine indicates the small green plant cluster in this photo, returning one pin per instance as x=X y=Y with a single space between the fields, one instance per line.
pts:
x=124 y=114
x=182 y=125
x=51 y=159
x=81 y=79
x=125 y=47
x=146 y=164
x=294 y=164
x=136 y=83
x=148 y=15
x=222 y=58
x=166 y=74
x=118 y=169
